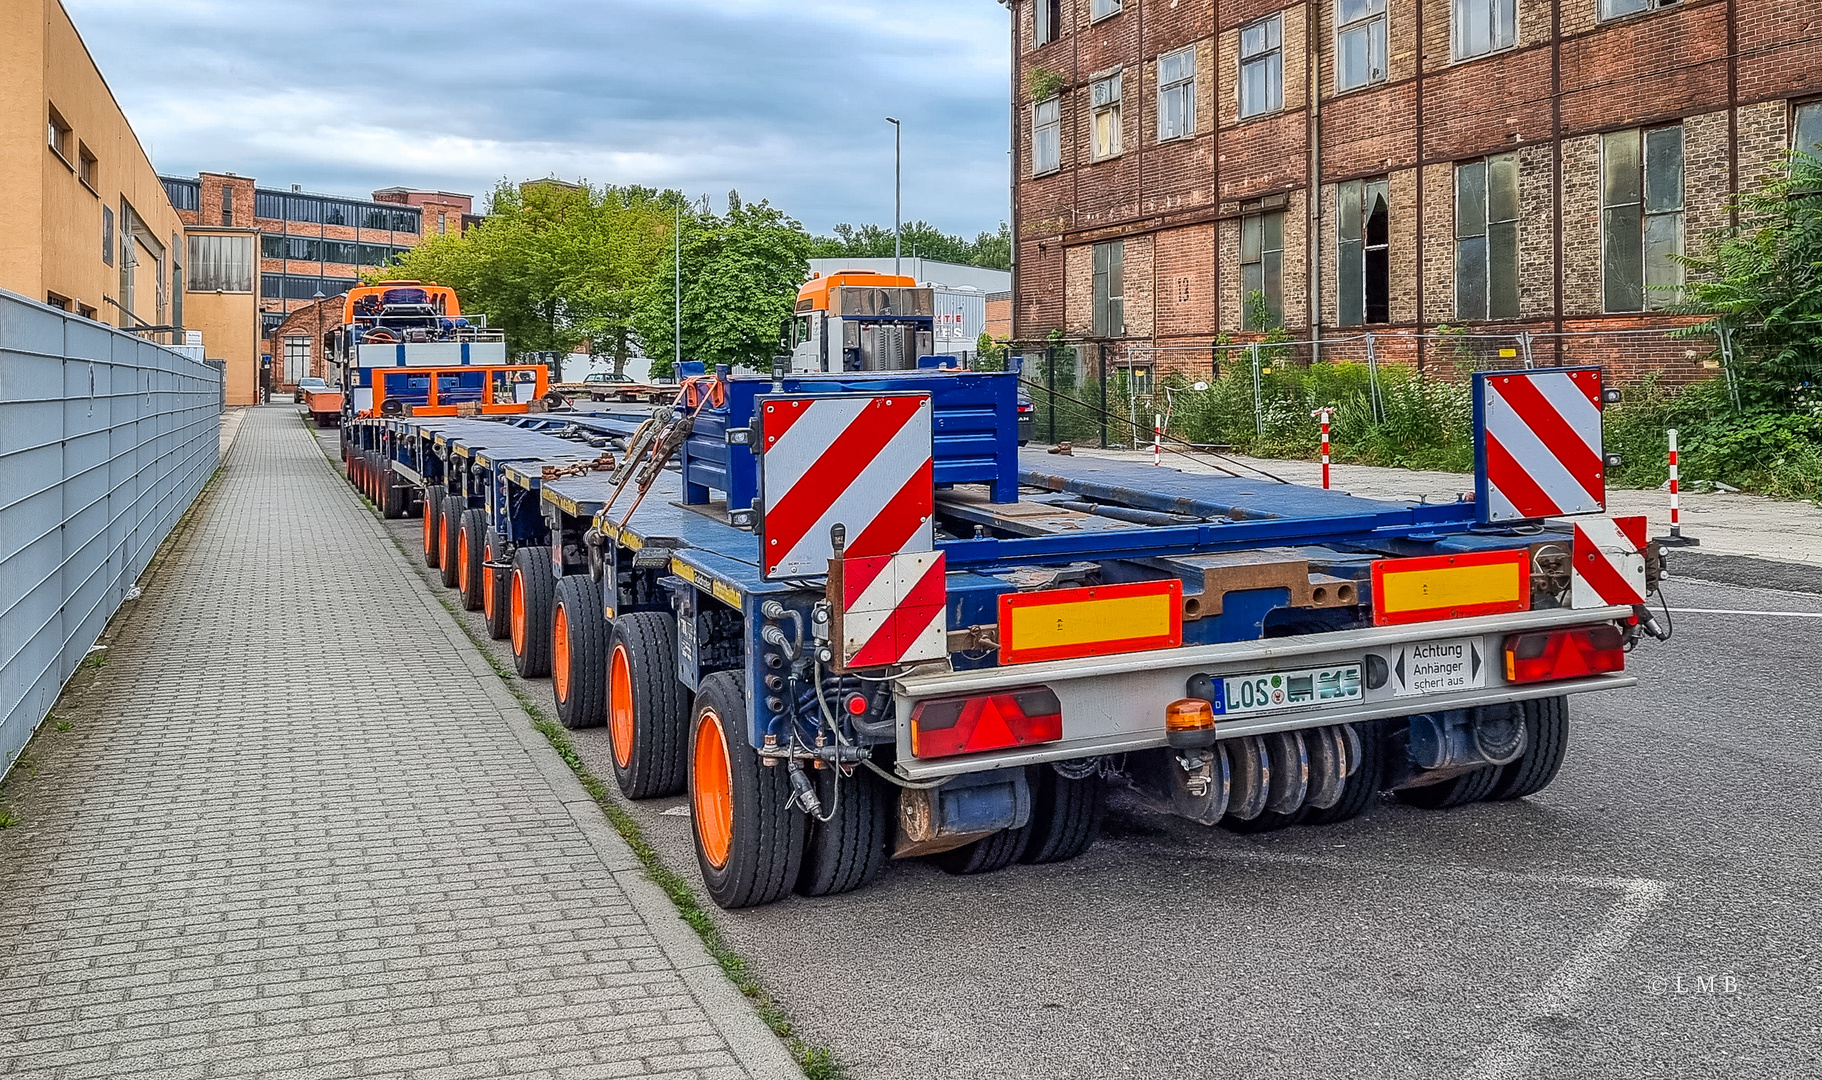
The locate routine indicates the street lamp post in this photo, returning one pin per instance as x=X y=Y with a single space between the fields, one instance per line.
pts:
x=317 y=299
x=677 y=293
x=898 y=161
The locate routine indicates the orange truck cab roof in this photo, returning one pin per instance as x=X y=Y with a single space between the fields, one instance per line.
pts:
x=369 y=299
x=814 y=295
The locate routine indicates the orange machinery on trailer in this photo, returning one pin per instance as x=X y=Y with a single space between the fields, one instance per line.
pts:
x=405 y=348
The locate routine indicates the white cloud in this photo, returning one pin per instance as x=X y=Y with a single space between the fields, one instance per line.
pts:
x=782 y=100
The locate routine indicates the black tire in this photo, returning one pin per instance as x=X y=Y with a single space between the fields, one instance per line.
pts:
x=1546 y=739
x=1065 y=815
x=394 y=497
x=1362 y=784
x=850 y=849
x=650 y=714
x=433 y=525
x=986 y=855
x=764 y=853
x=471 y=551
x=499 y=616
x=449 y=531
x=1463 y=789
x=578 y=653
x=531 y=588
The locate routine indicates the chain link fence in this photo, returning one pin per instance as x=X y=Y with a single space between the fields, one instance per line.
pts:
x=105 y=440
x=1406 y=388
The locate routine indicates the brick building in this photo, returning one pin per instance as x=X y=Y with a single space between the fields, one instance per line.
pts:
x=1494 y=164
x=299 y=244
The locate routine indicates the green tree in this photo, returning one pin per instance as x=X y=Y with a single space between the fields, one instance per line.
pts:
x=1761 y=282
x=553 y=266
x=741 y=273
x=920 y=238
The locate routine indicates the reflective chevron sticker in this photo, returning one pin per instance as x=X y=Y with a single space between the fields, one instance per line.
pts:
x=1537 y=443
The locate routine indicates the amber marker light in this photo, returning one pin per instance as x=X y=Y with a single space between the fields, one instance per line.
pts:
x=1189 y=723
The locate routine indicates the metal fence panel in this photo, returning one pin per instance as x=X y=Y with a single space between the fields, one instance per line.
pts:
x=105 y=440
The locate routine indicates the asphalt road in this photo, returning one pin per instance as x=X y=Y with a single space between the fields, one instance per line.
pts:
x=1651 y=914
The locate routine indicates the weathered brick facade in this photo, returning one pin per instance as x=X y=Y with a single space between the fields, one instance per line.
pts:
x=1729 y=72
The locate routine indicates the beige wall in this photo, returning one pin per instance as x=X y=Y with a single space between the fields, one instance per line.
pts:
x=50 y=221
x=230 y=331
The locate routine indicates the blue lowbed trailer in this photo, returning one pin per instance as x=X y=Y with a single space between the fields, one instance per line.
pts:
x=855 y=622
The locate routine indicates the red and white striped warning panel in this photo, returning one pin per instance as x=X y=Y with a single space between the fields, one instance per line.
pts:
x=1609 y=562
x=893 y=609
x=1538 y=443
x=861 y=461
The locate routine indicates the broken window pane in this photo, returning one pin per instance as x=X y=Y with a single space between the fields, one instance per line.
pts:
x=1249 y=239
x=1471 y=278
x=1664 y=169
x=1663 y=274
x=1622 y=258
x=1502 y=270
x=1620 y=168
x=1347 y=205
x=1808 y=129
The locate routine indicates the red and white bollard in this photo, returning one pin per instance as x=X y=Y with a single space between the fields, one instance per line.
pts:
x=1676 y=523
x=1323 y=415
x=1157 y=438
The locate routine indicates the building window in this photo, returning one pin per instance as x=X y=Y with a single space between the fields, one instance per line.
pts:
x=1360 y=43
x=1262 y=270
x=1100 y=9
x=1613 y=9
x=1364 y=233
x=58 y=134
x=86 y=165
x=297 y=358
x=1807 y=129
x=1177 y=94
x=1641 y=217
x=1104 y=95
x=221 y=264
x=107 y=235
x=1484 y=26
x=183 y=193
x=1047 y=21
x=1110 y=289
x=227 y=205
x=1046 y=136
x=1262 y=67
x=1486 y=238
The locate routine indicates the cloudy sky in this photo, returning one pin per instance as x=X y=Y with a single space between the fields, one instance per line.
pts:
x=782 y=99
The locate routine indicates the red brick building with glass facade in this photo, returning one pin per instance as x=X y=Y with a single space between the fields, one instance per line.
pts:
x=1386 y=166
x=309 y=244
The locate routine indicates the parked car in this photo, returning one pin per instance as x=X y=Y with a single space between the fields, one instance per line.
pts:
x=1028 y=418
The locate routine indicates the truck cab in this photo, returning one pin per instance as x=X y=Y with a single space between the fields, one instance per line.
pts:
x=861 y=320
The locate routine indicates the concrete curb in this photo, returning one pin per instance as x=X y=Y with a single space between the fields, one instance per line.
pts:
x=752 y=1042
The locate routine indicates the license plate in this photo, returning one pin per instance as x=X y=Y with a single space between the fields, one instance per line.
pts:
x=1271 y=691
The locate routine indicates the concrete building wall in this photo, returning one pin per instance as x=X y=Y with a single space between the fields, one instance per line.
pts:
x=52 y=203
x=1729 y=73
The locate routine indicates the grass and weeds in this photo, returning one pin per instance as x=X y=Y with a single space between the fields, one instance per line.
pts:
x=1427 y=423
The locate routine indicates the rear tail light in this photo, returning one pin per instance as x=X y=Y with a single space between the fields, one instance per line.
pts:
x=1027 y=407
x=1565 y=654
x=943 y=727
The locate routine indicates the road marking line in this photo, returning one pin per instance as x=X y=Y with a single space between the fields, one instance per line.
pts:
x=1509 y=1056
x=1734 y=611
x=1562 y=991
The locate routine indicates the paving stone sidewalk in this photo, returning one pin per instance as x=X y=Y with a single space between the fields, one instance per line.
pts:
x=306 y=831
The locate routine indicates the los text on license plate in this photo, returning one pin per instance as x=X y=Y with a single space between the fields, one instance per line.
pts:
x=1288 y=689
